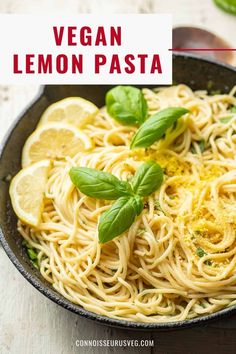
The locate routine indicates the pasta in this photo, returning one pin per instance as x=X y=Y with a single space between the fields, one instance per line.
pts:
x=178 y=259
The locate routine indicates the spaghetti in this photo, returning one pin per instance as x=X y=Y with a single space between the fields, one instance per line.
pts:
x=178 y=259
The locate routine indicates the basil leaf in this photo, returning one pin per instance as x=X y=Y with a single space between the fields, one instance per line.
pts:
x=139 y=204
x=118 y=218
x=173 y=132
x=147 y=178
x=99 y=184
x=233 y=109
x=155 y=127
x=127 y=105
x=227 y=5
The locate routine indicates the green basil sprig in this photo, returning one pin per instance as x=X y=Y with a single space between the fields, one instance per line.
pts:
x=127 y=105
x=120 y=216
x=99 y=184
x=155 y=127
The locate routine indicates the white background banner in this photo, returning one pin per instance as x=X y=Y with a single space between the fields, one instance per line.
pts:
x=86 y=49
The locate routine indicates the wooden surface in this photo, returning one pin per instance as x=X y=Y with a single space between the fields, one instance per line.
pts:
x=29 y=322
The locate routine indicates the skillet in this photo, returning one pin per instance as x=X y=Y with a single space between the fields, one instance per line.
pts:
x=191 y=70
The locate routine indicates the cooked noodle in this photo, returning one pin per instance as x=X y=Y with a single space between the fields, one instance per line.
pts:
x=153 y=272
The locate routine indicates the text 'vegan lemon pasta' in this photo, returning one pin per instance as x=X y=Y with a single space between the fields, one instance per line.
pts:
x=178 y=259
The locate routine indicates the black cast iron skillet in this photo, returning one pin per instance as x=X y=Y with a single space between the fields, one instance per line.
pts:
x=195 y=72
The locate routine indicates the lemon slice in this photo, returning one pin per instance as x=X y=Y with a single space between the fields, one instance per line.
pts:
x=27 y=192
x=73 y=110
x=53 y=141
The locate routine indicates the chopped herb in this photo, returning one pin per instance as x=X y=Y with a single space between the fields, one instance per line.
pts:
x=157 y=206
x=35 y=263
x=208 y=262
x=200 y=252
x=212 y=92
x=31 y=254
x=226 y=120
x=202 y=304
x=201 y=144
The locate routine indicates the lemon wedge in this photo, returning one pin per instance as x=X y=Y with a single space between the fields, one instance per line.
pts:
x=73 y=110
x=54 y=141
x=27 y=192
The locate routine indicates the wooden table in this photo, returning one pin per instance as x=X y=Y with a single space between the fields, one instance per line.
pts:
x=29 y=322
